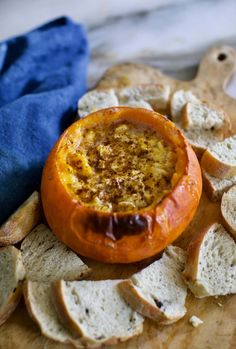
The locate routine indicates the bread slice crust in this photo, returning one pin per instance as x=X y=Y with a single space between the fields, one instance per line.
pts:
x=47 y=259
x=15 y=274
x=229 y=209
x=148 y=96
x=11 y=304
x=66 y=318
x=152 y=301
x=142 y=306
x=221 y=127
x=177 y=102
x=200 y=129
x=215 y=187
x=193 y=263
x=220 y=168
x=21 y=222
x=216 y=168
x=30 y=308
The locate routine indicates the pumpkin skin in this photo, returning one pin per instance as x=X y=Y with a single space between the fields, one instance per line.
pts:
x=143 y=233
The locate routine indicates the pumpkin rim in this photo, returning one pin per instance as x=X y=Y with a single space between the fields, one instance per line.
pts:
x=154 y=204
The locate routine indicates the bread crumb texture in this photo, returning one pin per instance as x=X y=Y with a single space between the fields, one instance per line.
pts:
x=12 y=271
x=217 y=262
x=117 y=167
x=225 y=151
x=106 y=318
x=195 y=321
x=228 y=208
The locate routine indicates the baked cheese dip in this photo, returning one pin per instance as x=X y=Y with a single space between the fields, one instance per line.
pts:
x=119 y=167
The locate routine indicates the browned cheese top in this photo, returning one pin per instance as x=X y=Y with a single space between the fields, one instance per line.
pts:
x=118 y=168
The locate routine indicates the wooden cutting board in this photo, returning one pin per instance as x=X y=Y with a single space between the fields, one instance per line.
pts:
x=219 y=314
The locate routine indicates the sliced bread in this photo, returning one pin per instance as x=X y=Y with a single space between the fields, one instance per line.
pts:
x=21 y=222
x=228 y=209
x=215 y=187
x=11 y=276
x=46 y=259
x=137 y=104
x=200 y=140
x=211 y=263
x=201 y=116
x=156 y=96
x=203 y=125
x=219 y=160
x=96 y=311
x=151 y=96
x=158 y=291
x=178 y=100
x=39 y=303
x=95 y=100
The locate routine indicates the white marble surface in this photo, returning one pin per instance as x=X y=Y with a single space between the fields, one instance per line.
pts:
x=17 y=16
x=170 y=34
x=173 y=38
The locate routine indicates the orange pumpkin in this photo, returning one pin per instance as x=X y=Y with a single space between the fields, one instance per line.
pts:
x=120 y=236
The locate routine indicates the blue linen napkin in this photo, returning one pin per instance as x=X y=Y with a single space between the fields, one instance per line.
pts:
x=42 y=75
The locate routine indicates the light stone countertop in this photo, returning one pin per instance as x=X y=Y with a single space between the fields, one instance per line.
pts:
x=170 y=34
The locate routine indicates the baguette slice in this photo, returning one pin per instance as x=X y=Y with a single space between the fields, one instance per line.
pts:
x=201 y=116
x=137 y=104
x=178 y=100
x=228 y=209
x=151 y=96
x=202 y=124
x=11 y=276
x=96 y=311
x=215 y=187
x=46 y=259
x=211 y=263
x=200 y=140
x=95 y=100
x=21 y=222
x=39 y=303
x=155 y=95
x=158 y=291
x=219 y=160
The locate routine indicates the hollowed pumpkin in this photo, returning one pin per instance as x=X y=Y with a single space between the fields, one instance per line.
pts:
x=120 y=185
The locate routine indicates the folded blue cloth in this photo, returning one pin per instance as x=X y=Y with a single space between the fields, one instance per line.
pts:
x=42 y=75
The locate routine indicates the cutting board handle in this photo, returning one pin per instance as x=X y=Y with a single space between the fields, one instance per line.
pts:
x=217 y=67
